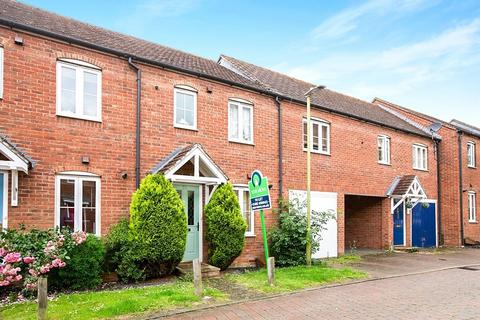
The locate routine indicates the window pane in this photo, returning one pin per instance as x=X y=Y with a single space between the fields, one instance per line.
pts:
x=90 y=94
x=68 y=89
x=89 y=193
x=325 y=138
x=185 y=109
x=67 y=203
x=315 y=136
x=88 y=220
x=246 y=124
x=233 y=118
x=246 y=211
x=89 y=206
x=191 y=208
x=305 y=142
x=380 y=149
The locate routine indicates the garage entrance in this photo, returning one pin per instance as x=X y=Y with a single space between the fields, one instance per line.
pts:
x=424 y=225
x=365 y=222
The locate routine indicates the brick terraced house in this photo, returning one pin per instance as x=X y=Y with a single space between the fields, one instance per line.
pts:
x=85 y=113
x=459 y=176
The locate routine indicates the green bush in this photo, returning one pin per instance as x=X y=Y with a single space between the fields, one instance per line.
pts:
x=83 y=269
x=158 y=226
x=225 y=227
x=289 y=240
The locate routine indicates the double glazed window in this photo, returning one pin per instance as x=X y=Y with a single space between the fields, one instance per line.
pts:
x=240 y=122
x=471 y=156
x=420 y=157
x=185 y=110
x=79 y=90
x=78 y=203
x=383 y=150
x=244 y=201
x=472 y=207
x=320 y=136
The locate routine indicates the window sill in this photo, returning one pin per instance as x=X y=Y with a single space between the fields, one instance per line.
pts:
x=318 y=152
x=250 y=235
x=384 y=163
x=472 y=222
x=241 y=142
x=472 y=167
x=176 y=126
x=418 y=169
x=71 y=116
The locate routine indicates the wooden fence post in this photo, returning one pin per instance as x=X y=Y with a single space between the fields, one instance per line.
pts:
x=271 y=270
x=42 y=287
x=197 y=277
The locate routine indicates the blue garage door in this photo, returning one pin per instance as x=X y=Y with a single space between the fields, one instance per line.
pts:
x=424 y=226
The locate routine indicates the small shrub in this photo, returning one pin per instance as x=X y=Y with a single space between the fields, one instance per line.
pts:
x=116 y=242
x=84 y=268
x=225 y=227
x=158 y=226
x=289 y=239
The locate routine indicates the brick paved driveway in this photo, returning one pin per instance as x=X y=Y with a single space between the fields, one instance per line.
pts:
x=447 y=294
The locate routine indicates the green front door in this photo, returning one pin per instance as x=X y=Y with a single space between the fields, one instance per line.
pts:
x=191 y=199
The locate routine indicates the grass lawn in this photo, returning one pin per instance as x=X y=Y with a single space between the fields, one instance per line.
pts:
x=345 y=259
x=295 y=278
x=107 y=304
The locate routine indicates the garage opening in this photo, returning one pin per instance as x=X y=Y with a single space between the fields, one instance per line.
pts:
x=365 y=222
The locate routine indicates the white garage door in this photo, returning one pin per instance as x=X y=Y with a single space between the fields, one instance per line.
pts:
x=321 y=202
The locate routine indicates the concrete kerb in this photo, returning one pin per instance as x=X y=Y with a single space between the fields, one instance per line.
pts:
x=283 y=294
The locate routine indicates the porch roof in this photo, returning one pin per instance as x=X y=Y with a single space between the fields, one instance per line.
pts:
x=16 y=158
x=406 y=186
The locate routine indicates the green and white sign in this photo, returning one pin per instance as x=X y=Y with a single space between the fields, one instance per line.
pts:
x=259 y=192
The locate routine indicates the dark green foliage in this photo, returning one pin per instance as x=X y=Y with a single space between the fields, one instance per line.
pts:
x=225 y=227
x=83 y=269
x=289 y=240
x=158 y=226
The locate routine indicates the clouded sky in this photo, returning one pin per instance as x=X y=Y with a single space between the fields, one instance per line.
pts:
x=423 y=54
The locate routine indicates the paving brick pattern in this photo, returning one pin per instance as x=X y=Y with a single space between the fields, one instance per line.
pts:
x=449 y=294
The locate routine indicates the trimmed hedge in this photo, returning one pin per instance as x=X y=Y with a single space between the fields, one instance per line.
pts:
x=225 y=227
x=158 y=226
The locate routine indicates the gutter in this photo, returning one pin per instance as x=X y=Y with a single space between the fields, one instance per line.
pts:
x=86 y=44
x=137 y=132
x=460 y=164
x=280 y=149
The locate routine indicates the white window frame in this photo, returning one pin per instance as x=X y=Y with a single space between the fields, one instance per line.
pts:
x=79 y=178
x=321 y=123
x=471 y=155
x=241 y=192
x=472 y=207
x=417 y=163
x=188 y=91
x=241 y=105
x=1 y=71
x=383 y=142
x=80 y=68
x=5 y=199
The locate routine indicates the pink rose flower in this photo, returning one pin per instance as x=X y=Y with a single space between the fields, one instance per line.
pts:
x=3 y=252
x=44 y=269
x=28 y=260
x=33 y=272
x=12 y=257
x=4 y=283
x=31 y=286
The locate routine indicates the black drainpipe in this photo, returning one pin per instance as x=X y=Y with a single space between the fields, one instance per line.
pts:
x=439 y=190
x=280 y=148
x=137 y=134
x=460 y=164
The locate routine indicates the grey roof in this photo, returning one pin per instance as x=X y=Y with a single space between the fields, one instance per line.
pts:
x=17 y=151
x=326 y=99
x=21 y=16
x=173 y=158
x=467 y=128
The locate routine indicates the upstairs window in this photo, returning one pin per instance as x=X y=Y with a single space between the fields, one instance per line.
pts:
x=244 y=201
x=1 y=72
x=185 y=111
x=383 y=150
x=471 y=156
x=240 y=122
x=420 y=157
x=79 y=90
x=320 y=136
x=472 y=207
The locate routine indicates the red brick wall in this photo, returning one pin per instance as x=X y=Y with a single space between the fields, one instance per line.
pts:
x=471 y=182
x=449 y=167
x=28 y=117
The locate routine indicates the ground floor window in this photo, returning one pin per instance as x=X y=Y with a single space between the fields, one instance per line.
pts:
x=78 y=202
x=244 y=200
x=472 y=207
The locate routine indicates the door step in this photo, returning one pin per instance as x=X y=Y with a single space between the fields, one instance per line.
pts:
x=208 y=271
x=405 y=249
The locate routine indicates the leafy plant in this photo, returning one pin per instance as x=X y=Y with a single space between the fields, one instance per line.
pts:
x=225 y=227
x=84 y=269
x=158 y=226
x=289 y=239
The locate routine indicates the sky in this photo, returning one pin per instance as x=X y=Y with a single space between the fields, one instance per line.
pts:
x=421 y=54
